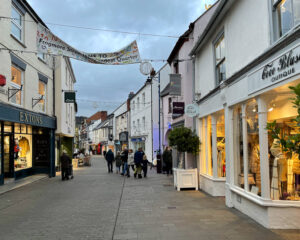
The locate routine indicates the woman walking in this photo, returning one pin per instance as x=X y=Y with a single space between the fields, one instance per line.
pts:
x=130 y=162
x=118 y=162
x=145 y=165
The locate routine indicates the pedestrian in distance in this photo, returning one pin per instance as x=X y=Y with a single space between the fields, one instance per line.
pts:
x=145 y=165
x=167 y=159
x=130 y=162
x=118 y=162
x=124 y=158
x=138 y=158
x=110 y=159
x=65 y=161
x=104 y=153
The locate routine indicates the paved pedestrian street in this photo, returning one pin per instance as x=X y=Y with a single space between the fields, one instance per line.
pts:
x=98 y=205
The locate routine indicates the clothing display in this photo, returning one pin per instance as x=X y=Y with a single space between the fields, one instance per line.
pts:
x=24 y=146
x=254 y=163
x=221 y=158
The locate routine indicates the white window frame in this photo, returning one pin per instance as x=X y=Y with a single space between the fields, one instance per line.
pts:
x=16 y=86
x=221 y=35
x=21 y=27
x=275 y=20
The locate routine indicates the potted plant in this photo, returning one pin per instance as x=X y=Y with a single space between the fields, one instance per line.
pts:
x=184 y=141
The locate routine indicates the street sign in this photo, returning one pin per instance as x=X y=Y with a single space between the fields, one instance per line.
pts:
x=70 y=97
x=191 y=110
x=178 y=109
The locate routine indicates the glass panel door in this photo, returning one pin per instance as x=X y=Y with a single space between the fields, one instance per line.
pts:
x=8 y=157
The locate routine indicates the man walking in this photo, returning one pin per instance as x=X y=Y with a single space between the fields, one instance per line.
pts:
x=138 y=158
x=124 y=158
x=110 y=158
x=65 y=165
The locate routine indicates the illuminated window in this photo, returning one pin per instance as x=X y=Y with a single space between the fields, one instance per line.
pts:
x=16 y=83
x=42 y=92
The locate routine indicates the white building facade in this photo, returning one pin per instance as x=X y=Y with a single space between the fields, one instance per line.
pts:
x=243 y=73
x=65 y=112
x=141 y=121
x=27 y=122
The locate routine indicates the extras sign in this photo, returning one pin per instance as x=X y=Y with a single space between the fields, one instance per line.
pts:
x=287 y=65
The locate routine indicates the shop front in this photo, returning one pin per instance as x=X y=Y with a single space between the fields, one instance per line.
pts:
x=264 y=180
x=138 y=143
x=27 y=143
x=212 y=154
x=123 y=141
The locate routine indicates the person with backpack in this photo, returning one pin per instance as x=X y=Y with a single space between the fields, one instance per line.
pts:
x=118 y=162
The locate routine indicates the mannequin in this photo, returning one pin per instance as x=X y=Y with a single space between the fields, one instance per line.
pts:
x=277 y=153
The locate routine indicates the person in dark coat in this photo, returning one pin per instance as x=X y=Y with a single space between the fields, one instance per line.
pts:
x=65 y=161
x=124 y=158
x=167 y=158
x=138 y=159
x=110 y=158
x=145 y=165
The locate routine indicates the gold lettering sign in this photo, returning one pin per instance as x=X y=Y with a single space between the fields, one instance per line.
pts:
x=30 y=118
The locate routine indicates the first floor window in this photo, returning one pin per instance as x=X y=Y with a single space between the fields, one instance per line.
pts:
x=42 y=93
x=220 y=59
x=16 y=83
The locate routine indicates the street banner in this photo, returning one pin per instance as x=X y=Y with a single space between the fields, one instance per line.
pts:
x=48 y=43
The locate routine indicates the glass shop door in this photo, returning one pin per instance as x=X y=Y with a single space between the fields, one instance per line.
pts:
x=8 y=155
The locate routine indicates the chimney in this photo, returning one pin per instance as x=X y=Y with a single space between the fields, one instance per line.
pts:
x=130 y=96
x=103 y=115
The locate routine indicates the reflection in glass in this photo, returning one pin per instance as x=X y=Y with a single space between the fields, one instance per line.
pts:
x=221 y=160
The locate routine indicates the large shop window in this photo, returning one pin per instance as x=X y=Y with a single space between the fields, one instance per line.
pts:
x=238 y=146
x=16 y=83
x=206 y=146
x=221 y=162
x=42 y=93
x=22 y=147
x=246 y=147
x=287 y=15
x=284 y=168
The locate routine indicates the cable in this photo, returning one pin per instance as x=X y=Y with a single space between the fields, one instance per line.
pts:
x=98 y=29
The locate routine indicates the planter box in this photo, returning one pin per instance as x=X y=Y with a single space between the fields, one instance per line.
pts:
x=185 y=178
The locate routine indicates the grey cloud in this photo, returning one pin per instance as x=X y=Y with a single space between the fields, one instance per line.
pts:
x=113 y=83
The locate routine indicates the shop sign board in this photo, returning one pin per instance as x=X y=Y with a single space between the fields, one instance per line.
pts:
x=175 y=84
x=191 y=110
x=138 y=139
x=178 y=109
x=123 y=136
x=70 y=97
x=283 y=67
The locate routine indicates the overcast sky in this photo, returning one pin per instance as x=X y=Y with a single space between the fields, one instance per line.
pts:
x=102 y=87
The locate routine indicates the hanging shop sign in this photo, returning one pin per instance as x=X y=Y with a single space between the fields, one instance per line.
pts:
x=191 y=110
x=175 y=84
x=70 y=97
x=47 y=42
x=283 y=67
x=178 y=109
x=123 y=136
x=2 y=80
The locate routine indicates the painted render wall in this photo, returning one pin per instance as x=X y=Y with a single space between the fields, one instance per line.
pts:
x=34 y=65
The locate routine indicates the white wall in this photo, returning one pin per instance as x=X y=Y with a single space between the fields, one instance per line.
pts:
x=34 y=65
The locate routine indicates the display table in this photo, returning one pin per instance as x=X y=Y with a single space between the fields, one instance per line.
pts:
x=185 y=178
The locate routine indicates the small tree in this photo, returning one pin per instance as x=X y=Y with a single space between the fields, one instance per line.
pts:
x=184 y=140
x=291 y=143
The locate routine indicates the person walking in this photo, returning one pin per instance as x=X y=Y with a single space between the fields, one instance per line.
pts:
x=130 y=162
x=118 y=162
x=110 y=158
x=65 y=164
x=145 y=165
x=167 y=158
x=124 y=158
x=138 y=158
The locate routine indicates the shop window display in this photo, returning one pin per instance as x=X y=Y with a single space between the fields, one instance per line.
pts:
x=209 y=147
x=221 y=160
x=284 y=167
x=254 y=175
x=238 y=146
x=22 y=147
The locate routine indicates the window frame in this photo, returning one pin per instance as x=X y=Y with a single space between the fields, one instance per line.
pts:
x=45 y=96
x=275 y=20
x=14 y=22
x=16 y=86
x=219 y=36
